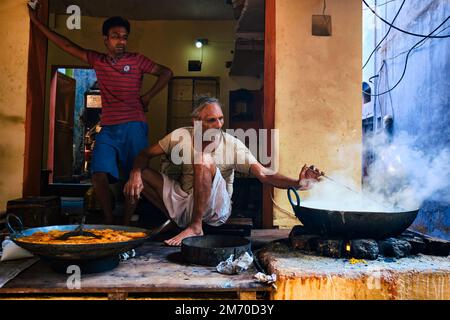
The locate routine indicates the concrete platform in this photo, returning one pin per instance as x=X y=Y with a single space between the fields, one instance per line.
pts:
x=308 y=277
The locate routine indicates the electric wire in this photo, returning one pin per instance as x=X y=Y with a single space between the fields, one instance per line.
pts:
x=391 y=104
x=407 y=58
x=201 y=60
x=396 y=56
x=219 y=41
x=377 y=101
x=382 y=4
x=404 y=31
x=385 y=36
x=280 y=208
x=390 y=94
x=406 y=51
x=378 y=73
x=323 y=12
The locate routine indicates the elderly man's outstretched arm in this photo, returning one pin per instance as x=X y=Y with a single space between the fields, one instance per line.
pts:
x=306 y=177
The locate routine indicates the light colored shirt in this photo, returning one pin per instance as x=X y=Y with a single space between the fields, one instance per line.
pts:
x=229 y=155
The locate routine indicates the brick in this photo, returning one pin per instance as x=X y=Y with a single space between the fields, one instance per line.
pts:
x=364 y=249
x=304 y=242
x=392 y=247
x=330 y=248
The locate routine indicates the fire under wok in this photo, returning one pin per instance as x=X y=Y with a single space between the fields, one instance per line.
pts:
x=102 y=256
x=341 y=224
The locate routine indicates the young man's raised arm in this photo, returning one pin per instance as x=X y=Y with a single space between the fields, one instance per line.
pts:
x=164 y=75
x=60 y=41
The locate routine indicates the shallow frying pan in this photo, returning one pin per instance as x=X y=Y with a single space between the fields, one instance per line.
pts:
x=351 y=224
x=73 y=251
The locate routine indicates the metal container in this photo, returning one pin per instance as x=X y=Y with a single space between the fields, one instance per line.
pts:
x=351 y=224
x=89 y=255
x=210 y=250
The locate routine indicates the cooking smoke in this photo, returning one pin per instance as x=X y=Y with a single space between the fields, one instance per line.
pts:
x=400 y=177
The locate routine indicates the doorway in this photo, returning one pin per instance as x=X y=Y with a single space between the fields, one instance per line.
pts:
x=268 y=92
x=74 y=113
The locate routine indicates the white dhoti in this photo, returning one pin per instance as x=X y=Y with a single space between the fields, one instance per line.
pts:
x=180 y=204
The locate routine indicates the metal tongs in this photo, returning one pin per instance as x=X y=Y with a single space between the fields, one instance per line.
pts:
x=78 y=232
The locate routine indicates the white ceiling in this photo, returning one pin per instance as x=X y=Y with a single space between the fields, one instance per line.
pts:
x=150 y=9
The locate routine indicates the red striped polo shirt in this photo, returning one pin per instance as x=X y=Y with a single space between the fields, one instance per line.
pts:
x=120 y=85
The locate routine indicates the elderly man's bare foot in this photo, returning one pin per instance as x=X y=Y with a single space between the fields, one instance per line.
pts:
x=186 y=233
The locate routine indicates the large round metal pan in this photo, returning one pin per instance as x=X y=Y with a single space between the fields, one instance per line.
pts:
x=210 y=250
x=351 y=224
x=77 y=251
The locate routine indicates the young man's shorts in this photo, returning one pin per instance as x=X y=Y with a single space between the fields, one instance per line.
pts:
x=180 y=204
x=118 y=143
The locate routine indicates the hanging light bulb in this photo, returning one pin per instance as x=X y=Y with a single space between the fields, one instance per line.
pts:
x=199 y=43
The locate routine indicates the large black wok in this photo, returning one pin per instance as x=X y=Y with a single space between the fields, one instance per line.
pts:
x=74 y=251
x=351 y=224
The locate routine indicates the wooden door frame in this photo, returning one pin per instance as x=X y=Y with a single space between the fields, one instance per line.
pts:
x=35 y=106
x=51 y=114
x=35 y=111
x=269 y=99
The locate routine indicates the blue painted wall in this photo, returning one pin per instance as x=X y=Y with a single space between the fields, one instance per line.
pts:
x=420 y=105
x=85 y=79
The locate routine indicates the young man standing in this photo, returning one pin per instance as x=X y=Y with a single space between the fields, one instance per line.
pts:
x=123 y=121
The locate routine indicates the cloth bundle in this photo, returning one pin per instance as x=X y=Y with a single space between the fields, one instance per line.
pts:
x=231 y=266
x=12 y=251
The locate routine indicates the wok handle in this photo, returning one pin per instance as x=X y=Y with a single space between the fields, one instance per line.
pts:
x=11 y=229
x=297 y=204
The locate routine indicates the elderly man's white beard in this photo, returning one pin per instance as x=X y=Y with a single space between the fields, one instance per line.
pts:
x=212 y=138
